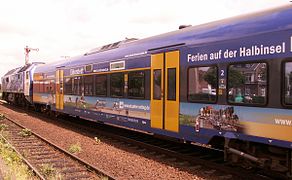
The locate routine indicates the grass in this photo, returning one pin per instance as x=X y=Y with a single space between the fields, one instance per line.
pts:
x=48 y=170
x=16 y=169
x=104 y=178
x=2 y=116
x=75 y=148
x=3 y=127
x=97 y=140
x=25 y=132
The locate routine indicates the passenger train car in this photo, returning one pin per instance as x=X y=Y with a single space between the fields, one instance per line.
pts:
x=226 y=83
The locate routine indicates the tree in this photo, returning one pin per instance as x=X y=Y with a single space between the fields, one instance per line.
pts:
x=211 y=77
x=235 y=78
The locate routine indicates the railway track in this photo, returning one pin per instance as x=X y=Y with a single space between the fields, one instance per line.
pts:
x=46 y=159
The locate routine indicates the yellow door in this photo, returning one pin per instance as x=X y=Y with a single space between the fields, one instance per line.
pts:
x=165 y=91
x=59 y=89
x=156 y=116
x=171 y=91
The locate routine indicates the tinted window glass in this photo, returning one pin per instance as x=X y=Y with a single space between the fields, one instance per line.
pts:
x=42 y=86
x=157 y=84
x=171 y=84
x=52 y=86
x=136 y=84
x=288 y=83
x=100 y=85
x=68 y=85
x=202 y=84
x=47 y=86
x=36 y=86
x=247 y=83
x=77 y=85
x=88 y=85
x=117 y=85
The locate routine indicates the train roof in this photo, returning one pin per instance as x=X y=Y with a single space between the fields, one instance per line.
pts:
x=276 y=19
x=21 y=69
x=12 y=71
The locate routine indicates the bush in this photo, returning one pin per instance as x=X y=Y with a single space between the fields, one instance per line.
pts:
x=97 y=140
x=2 y=116
x=3 y=127
x=48 y=170
x=75 y=148
x=25 y=132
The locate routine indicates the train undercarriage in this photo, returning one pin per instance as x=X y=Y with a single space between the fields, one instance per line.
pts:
x=272 y=159
x=16 y=99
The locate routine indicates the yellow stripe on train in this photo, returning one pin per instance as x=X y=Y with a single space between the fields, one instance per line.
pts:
x=274 y=131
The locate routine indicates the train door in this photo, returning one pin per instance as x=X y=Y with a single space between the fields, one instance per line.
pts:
x=165 y=91
x=59 y=90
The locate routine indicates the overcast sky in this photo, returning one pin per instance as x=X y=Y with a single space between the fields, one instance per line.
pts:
x=72 y=27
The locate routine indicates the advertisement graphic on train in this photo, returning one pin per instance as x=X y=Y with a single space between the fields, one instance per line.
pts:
x=244 y=83
x=123 y=107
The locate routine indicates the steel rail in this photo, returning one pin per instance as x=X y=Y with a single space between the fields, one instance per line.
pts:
x=90 y=167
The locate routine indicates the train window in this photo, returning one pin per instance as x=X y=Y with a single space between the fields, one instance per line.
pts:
x=27 y=75
x=88 y=85
x=100 y=85
x=46 y=86
x=171 y=84
x=247 y=83
x=136 y=84
x=52 y=86
x=36 y=87
x=157 y=84
x=202 y=84
x=76 y=84
x=288 y=83
x=68 y=86
x=42 y=86
x=117 y=84
x=88 y=68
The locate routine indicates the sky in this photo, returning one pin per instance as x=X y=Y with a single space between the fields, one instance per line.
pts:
x=60 y=28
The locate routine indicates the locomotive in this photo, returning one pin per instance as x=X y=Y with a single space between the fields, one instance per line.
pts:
x=227 y=84
x=17 y=84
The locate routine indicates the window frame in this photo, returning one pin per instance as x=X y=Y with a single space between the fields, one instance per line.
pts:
x=144 y=84
x=93 y=84
x=53 y=86
x=267 y=84
x=123 y=87
x=36 y=87
x=153 y=85
x=217 y=87
x=283 y=83
x=65 y=86
x=175 y=84
x=42 y=86
x=81 y=83
x=106 y=83
x=47 y=86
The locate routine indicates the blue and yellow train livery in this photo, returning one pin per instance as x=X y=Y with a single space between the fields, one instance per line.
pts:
x=227 y=84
